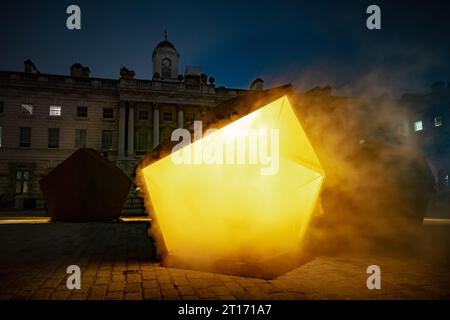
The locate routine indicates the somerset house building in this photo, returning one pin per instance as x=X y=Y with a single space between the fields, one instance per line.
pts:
x=44 y=118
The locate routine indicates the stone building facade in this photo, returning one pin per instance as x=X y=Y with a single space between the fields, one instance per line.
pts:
x=44 y=117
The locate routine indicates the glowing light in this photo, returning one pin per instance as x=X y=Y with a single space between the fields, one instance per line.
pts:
x=134 y=219
x=24 y=220
x=230 y=211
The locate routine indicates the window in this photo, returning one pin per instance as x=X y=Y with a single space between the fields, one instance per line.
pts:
x=142 y=140
x=107 y=139
x=82 y=112
x=1 y=136
x=22 y=181
x=1 y=106
x=55 y=111
x=27 y=109
x=167 y=116
x=25 y=137
x=189 y=117
x=108 y=113
x=53 y=137
x=80 y=138
x=166 y=133
x=418 y=126
x=143 y=115
x=438 y=121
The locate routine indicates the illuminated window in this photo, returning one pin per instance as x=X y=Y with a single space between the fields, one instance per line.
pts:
x=55 y=111
x=25 y=137
x=82 y=112
x=418 y=126
x=438 y=121
x=27 y=109
x=108 y=113
x=143 y=115
x=80 y=138
x=53 y=138
x=22 y=181
x=107 y=136
x=167 y=116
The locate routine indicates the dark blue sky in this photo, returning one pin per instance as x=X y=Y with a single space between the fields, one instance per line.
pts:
x=306 y=43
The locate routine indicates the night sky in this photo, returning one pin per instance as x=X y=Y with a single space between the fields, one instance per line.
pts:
x=306 y=43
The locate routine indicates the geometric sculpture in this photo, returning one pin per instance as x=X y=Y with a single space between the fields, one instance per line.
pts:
x=85 y=187
x=234 y=217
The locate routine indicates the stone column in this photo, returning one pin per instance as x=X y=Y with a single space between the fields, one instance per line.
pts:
x=155 y=126
x=131 y=130
x=121 y=147
x=180 y=117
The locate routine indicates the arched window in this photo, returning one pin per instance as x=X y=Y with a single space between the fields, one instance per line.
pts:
x=166 y=68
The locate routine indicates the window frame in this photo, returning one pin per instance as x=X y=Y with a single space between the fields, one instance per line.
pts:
x=141 y=112
x=78 y=112
x=51 y=138
x=26 y=112
x=189 y=117
x=105 y=147
x=22 y=181
x=438 y=121
x=167 y=113
x=418 y=126
x=55 y=108
x=78 y=142
x=22 y=142
x=140 y=146
x=105 y=112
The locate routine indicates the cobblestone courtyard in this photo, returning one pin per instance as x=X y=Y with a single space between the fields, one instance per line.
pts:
x=116 y=263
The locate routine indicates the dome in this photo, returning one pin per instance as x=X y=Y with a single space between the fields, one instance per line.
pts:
x=165 y=44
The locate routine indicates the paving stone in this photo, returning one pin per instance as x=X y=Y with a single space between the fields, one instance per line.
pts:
x=114 y=295
x=133 y=296
x=132 y=287
x=42 y=294
x=152 y=294
x=169 y=294
x=150 y=284
x=60 y=295
x=115 y=261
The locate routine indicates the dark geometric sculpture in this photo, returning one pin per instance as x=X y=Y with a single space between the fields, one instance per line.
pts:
x=85 y=187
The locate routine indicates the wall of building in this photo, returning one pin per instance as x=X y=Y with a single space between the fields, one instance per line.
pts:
x=126 y=97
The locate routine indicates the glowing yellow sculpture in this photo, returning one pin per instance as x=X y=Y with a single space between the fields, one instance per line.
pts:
x=243 y=210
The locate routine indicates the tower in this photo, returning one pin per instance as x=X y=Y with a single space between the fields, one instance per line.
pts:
x=165 y=60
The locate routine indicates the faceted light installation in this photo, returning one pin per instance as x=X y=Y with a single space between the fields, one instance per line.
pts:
x=237 y=199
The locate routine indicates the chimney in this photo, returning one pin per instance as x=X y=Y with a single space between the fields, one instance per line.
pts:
x=30 y=67
x=77 y=70
x=257 y=84
x=126 y=74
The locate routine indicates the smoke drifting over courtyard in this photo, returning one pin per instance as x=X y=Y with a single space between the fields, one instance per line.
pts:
x=377 y=185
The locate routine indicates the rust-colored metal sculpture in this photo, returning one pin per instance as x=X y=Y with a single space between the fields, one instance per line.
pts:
x=85 y=187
